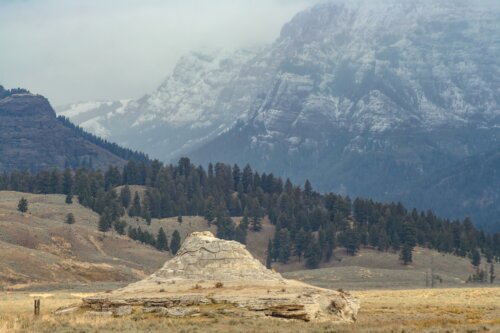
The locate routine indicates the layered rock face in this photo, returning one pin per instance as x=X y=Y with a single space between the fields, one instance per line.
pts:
x=209 y=275
x=31 y=138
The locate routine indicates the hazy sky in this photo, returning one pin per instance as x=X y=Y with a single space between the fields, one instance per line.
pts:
x=112 y=49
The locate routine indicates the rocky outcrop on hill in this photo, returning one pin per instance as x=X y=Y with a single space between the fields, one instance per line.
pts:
x=31 y=138
x=213 y=276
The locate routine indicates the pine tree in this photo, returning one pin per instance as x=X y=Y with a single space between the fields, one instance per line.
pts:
x=22 y=206
x=285 y=249
x=351 y=242
x=67 y=182
x=331 y=243
x=409 y=241
x=312 y=255
x=179 y=219
x=125 y=196
x=269 y=258
x=406 y=254
x=492 y=273
x=105 y=221
x=136 y=209
x=302 y=240
x=256 y=223
x=175 y=242
x=240 y=234
x=120 y=226
x=225 y=228
x=476 y=258
x=210 y=210
x=147 y=216
x=161 y=240
x=69 y=198
x=70 y=218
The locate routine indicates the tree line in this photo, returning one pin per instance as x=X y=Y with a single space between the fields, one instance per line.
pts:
x=125 y=153
x=9 y=92
x=308 y=225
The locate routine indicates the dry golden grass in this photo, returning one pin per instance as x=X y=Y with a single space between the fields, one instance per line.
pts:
x=420 y=310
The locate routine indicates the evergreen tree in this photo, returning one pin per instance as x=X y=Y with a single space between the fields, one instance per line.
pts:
x=225 y=227
x=147 y=216
x=161 y=240
x=69 y=198
x=307 y=189
x=492 y=273
x=210 y=210
x=70 y=218
x=236 y=177
x=136 y=209
x=476 y=258
x=179 y=219
x=22 y=206
x=285 y=249
x=105 y=221
x=125 y=196
x=240 y=234
x=120 y=226
x=312 y=255
x=256 y=222
x=269 y=258
x=409 y=241
x=175 y=242
x=406 y=254
x=67 y=182
x=302 y=240
x=331 y=243
x=351 y=242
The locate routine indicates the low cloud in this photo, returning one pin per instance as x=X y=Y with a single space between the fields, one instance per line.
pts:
x=93 y=50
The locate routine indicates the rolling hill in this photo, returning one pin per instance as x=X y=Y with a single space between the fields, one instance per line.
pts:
x=39 y=250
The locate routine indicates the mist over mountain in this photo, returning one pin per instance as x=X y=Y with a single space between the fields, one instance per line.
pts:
x=395 y=100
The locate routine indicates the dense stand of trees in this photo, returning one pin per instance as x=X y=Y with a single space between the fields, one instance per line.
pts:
x=309 y=225
x=125 y=153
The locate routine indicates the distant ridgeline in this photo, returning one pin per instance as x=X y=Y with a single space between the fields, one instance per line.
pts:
x=125 y=153
x=8 y=92
x=33 y=138
x=308 y=224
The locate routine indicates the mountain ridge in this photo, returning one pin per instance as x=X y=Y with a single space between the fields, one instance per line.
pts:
x=350 y=90
x=33 y=139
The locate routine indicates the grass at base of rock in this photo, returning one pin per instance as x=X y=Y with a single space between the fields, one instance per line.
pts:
x=419 y=310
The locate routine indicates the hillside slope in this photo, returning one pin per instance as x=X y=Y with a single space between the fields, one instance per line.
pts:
x=32 y=139
x=39 y=248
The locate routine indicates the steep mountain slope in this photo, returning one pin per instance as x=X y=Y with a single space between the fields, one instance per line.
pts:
x=373 y=99
x=194 y=104
x=32 y=138
x=360 y=105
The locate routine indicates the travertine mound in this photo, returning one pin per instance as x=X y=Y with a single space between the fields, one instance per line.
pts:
x=209 y=276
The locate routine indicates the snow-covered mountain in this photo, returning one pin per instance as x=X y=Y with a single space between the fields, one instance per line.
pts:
x=198 y=101
x=370 y=98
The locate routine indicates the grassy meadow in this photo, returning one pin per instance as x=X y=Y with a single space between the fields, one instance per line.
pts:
x=418 y=310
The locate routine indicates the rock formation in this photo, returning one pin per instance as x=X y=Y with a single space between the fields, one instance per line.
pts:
x=209 y=275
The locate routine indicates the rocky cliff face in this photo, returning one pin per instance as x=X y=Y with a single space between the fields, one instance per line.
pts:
x=209 y=275
x=31 y=138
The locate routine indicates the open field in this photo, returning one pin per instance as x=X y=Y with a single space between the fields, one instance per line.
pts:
x=419 y=310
